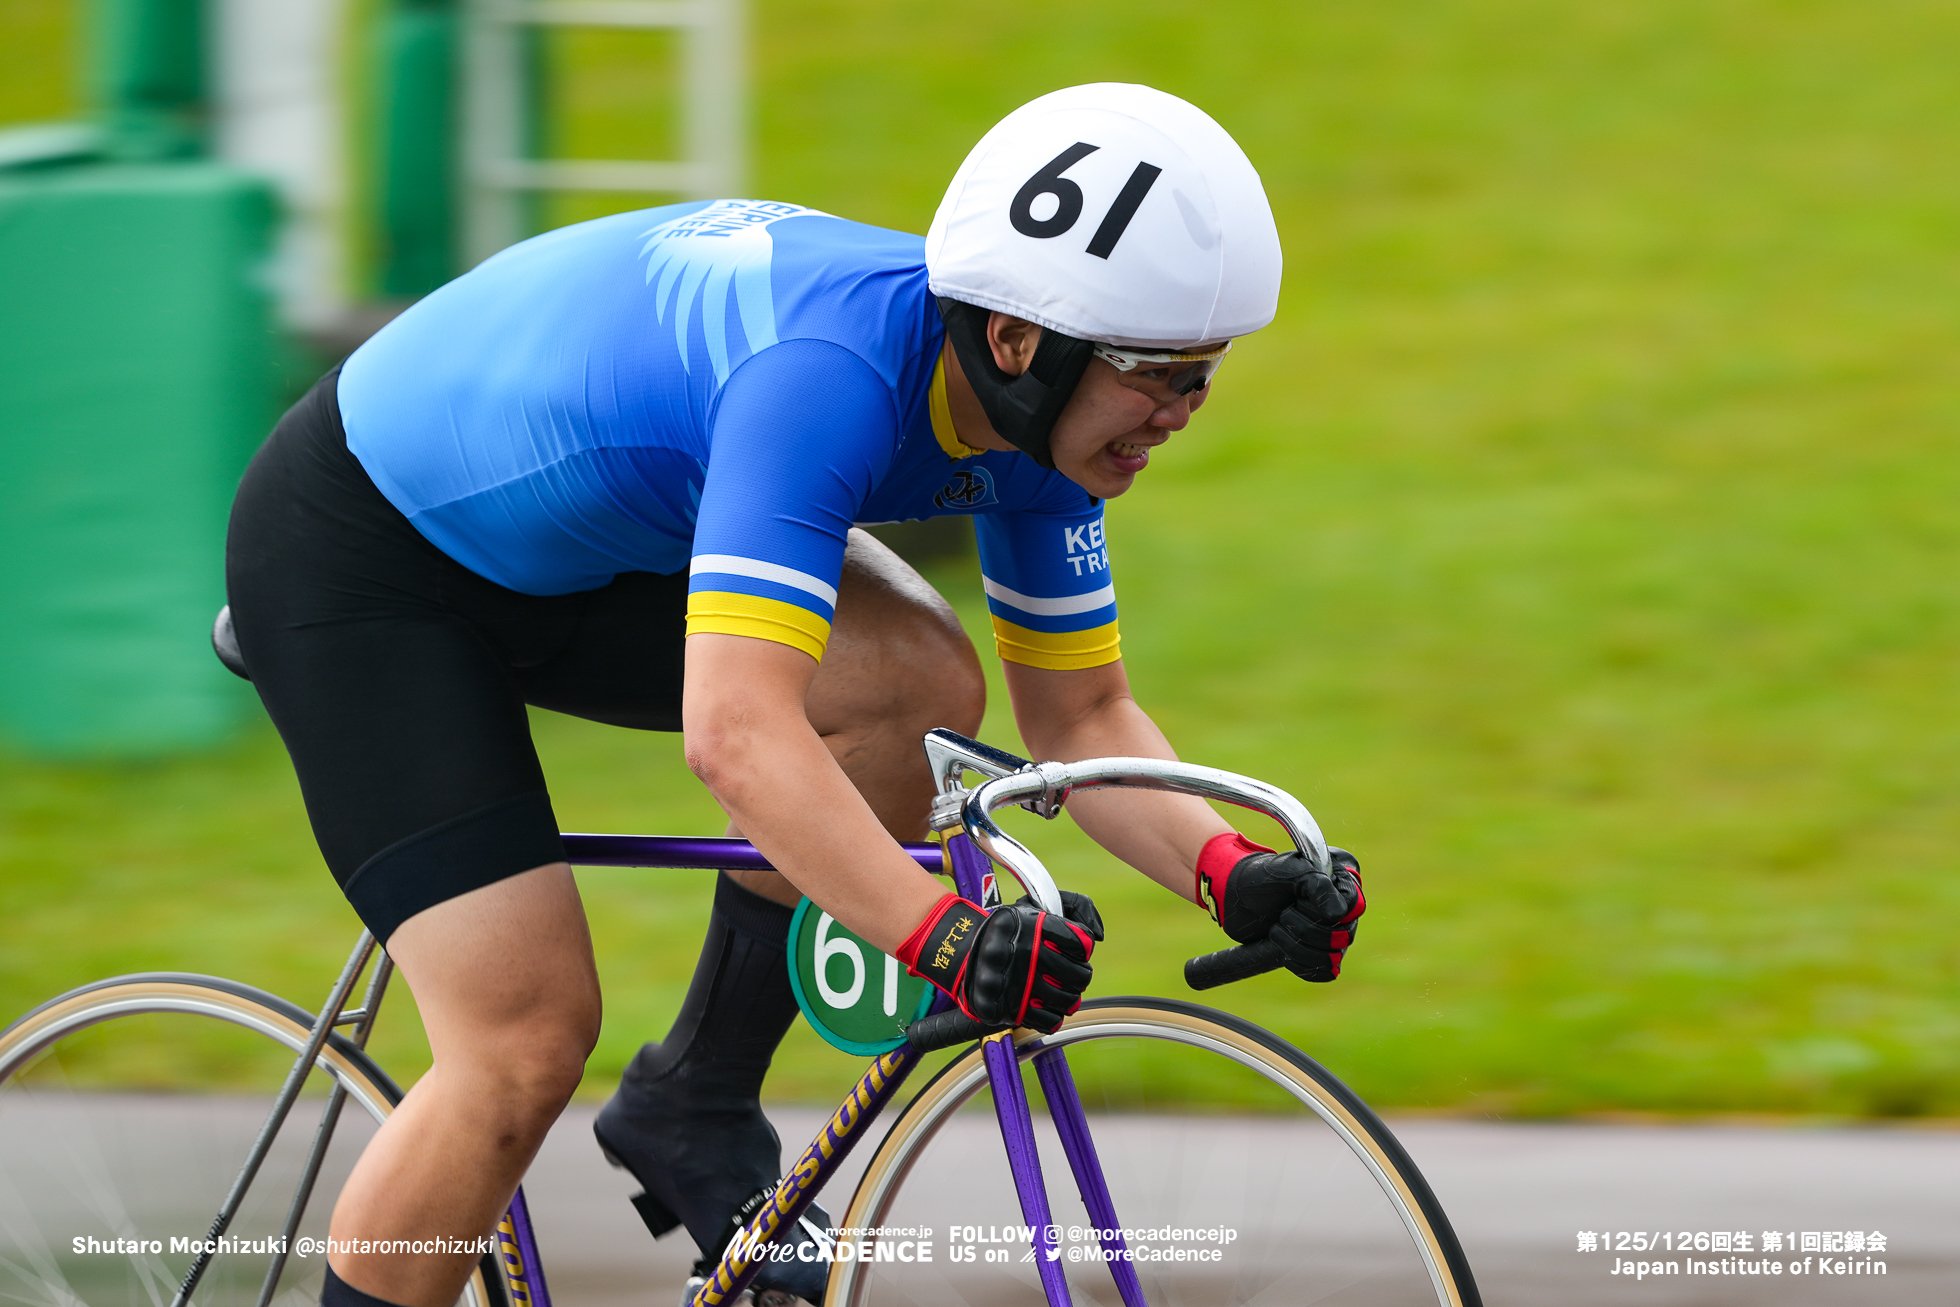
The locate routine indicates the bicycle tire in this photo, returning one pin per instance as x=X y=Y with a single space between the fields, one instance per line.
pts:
x=1318 y=1250
x=80 y=1162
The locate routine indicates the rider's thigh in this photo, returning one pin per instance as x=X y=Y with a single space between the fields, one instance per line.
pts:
x=504 y=979
x=388 y=668
x=898 y=658
x=624 y=663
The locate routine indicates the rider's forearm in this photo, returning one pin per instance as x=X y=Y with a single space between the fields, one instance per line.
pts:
x=751 y=744
x=1061 y=720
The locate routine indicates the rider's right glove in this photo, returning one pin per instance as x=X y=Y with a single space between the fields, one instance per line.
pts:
x=1254 y=893
x=1018 y=966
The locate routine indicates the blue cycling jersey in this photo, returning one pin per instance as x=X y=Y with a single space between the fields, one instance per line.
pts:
x=726 y=387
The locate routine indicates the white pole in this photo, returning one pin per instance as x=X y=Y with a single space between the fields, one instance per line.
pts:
x=278 y=114
x=493 y=134
x=717 y=94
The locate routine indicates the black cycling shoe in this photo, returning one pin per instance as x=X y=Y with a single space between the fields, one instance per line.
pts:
x=687 y=1120
x=804 y=1266
x=708 y=1169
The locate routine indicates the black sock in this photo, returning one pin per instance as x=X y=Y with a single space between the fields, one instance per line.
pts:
x=336 y=1292
x=687 y=1119
x=738 y=1006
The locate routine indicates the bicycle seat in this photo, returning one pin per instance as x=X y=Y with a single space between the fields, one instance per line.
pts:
x=224 y=643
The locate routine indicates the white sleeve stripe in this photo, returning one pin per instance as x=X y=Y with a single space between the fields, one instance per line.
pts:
x=1062 y=607
x=732 y=565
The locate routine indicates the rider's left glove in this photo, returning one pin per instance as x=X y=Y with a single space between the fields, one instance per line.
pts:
x=1254 y=893
x=1016 y=966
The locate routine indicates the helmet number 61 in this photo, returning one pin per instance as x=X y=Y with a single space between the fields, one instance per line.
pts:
x=1068 y=201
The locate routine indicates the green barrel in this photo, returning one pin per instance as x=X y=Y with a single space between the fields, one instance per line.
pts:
x=137 y=374
x=417 y=178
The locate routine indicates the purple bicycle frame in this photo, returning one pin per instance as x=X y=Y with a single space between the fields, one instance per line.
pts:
x=741 y=1263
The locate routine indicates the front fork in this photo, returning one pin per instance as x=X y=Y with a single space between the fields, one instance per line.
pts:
x=973 y=880
x=970 y=876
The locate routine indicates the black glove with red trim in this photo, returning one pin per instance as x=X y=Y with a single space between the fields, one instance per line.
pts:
x=1254 y=893
x=1018 y=966
x=1078 y=908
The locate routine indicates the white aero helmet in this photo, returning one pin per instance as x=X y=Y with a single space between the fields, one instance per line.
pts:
x=1112 y=213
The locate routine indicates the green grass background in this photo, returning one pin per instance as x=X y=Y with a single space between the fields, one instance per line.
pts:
x=1580 y=544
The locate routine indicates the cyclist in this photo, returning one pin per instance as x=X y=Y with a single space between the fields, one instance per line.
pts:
x=614 y=471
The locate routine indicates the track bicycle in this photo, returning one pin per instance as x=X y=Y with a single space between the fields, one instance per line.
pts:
x=1211 y=1161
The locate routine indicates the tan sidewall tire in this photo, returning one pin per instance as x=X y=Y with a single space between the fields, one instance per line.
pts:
x=219 y=1000
x=1189 y=1024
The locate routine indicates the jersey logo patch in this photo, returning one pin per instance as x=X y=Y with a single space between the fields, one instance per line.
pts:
x=971 y=487
x=697 y=257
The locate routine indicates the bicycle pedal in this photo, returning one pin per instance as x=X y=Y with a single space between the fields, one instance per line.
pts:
x=660 y=1219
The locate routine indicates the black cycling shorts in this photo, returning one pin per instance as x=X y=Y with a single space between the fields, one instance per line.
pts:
x=398 y=677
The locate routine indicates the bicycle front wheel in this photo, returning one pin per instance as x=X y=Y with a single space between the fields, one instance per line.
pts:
x=103 y=1184
x=1240 y=1172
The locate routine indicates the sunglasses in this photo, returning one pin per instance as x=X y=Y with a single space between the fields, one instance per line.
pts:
x=1184 y=372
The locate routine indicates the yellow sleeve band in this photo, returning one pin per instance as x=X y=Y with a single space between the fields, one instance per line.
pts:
x=721 y=613
x=1065 y=652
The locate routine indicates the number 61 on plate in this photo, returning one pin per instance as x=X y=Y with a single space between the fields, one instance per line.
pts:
x=858 y=998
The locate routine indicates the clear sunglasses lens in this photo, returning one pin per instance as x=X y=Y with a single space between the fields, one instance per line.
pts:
x=1195 y=377
x=1152 y=371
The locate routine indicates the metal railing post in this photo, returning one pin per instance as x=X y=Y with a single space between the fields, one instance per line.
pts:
x=499 y=168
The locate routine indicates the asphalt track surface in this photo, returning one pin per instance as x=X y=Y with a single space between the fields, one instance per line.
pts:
x=1518 y=1194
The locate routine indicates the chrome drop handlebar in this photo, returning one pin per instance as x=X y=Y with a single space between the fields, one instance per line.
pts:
x=1044 y=787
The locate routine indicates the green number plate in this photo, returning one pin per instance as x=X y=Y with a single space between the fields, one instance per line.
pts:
x=858 y=999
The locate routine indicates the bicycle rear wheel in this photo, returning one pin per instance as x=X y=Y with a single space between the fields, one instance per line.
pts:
x=102 y=1185
x=1244 y=1172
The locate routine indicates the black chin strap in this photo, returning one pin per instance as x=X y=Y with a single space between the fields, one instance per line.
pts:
x=1022 y=409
